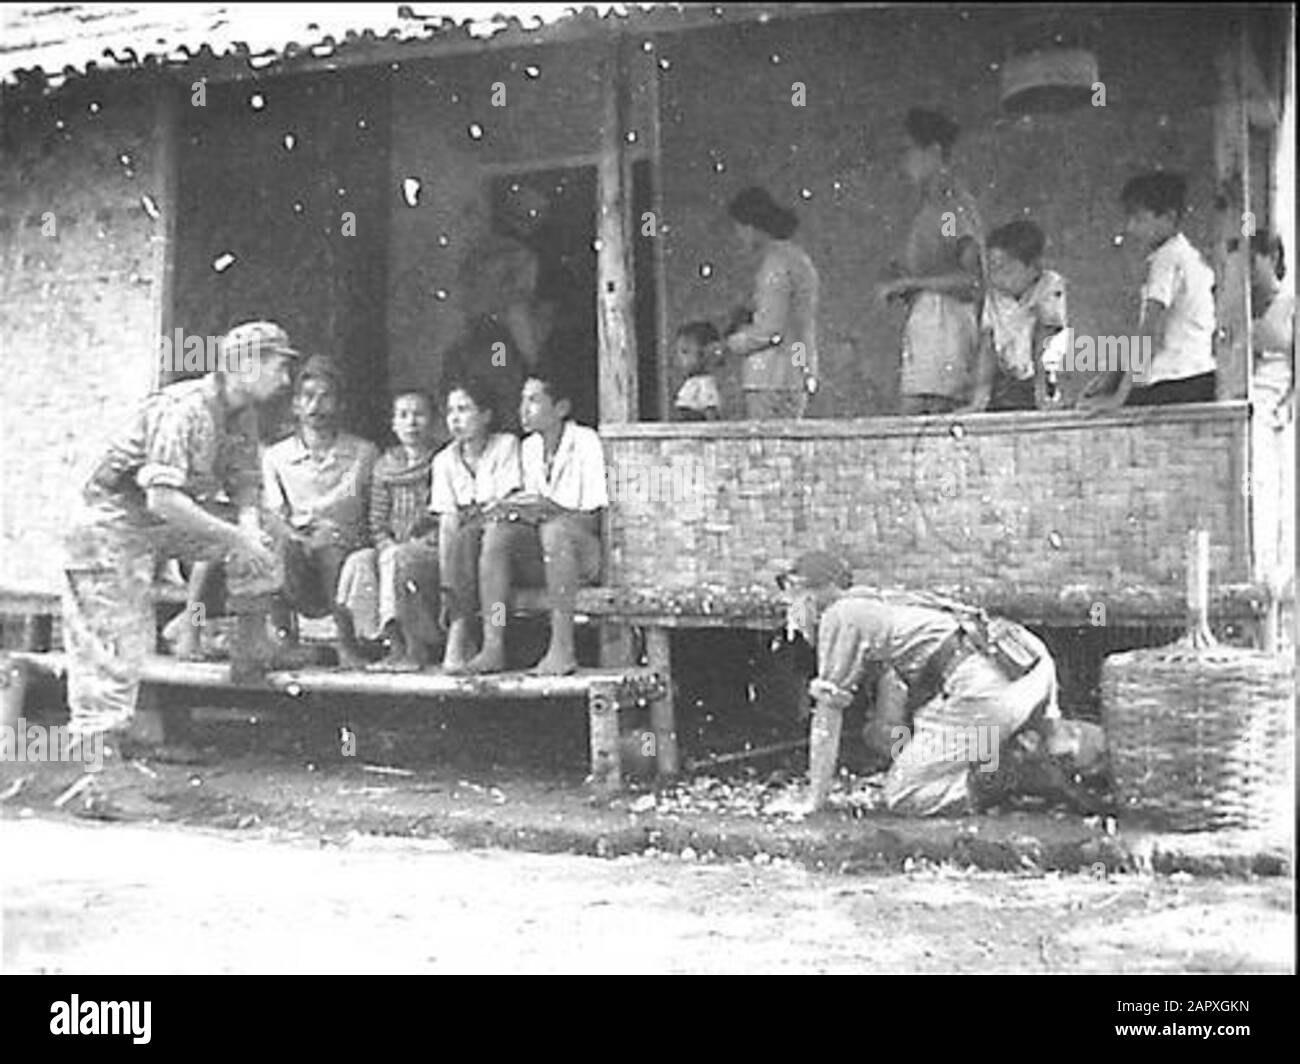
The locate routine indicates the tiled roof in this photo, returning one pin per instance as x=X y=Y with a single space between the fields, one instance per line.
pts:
x=66 y=40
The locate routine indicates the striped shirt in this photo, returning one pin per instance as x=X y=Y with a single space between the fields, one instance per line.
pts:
x=399 y=496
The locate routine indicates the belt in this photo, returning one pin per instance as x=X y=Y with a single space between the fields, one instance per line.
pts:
x=940 y=665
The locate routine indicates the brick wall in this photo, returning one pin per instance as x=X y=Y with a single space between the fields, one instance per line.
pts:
x=78 y=303
x=1038 y=501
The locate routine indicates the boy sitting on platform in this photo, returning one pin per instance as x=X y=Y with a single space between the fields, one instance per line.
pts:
x=1024 y=305
x=548 y=533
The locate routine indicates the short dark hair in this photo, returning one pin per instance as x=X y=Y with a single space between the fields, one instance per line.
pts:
x=1021 y=238
x=555 y=387
x=1159 y=192
x=927 y=128
x=1270 y=246
x=485 y=396
x=755 y=206
x=702 y=332
x=321 y=368
x=419 y=393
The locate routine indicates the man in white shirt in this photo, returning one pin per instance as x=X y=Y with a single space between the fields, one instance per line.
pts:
x=548 y=533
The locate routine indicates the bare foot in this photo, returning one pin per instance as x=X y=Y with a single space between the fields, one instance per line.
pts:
x=350 y=659
x=484 y=662
x=554 y=665
x=189 y=646
x=395 y=663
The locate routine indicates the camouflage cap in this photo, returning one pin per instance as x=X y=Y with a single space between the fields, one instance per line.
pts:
x=818 y=568
x=258 y=338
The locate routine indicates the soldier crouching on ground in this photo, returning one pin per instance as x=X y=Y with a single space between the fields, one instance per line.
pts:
x=975 y=716
x=151 y=494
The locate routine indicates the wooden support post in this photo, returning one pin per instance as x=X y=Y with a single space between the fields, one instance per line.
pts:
x=37 y=628
x=1236 y=223
x=606 y=755
x=616 y=358
x=13 y=689
x=653 y=108
x=164 y=171
x=663 y=716
x=148 y=724
x=615 y=645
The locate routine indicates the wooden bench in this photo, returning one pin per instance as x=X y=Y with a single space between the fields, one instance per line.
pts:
x=606 y=691
x=619 y=656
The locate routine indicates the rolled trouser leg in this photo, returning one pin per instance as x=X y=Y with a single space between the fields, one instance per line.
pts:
x=108 y=628
x=823 y=750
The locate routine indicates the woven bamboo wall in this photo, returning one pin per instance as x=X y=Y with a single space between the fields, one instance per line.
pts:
x=1034 y=500
x=78 y=303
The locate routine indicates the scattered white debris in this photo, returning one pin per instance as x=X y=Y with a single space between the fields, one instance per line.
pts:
x=13 y=788
x=387 y=770
x=73 y=791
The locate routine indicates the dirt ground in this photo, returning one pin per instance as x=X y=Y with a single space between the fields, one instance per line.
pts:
x=115 y=898
x=463 y=838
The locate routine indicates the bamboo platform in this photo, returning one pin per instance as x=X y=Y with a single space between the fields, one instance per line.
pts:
x=605 y=690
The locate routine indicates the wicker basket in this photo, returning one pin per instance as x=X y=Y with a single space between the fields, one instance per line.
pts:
x=1200 y=738
x=1201 y=734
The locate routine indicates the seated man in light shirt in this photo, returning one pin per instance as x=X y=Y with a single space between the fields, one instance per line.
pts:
x=316 y=487
x=548 y=533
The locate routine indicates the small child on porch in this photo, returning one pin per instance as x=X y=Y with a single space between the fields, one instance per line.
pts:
x=1023 y=307
x=697 y=347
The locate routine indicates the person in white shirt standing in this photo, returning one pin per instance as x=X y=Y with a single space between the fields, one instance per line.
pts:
x=548 y=534
x=1177 y=315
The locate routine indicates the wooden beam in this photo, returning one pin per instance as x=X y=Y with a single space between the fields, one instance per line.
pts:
x=663 y=345
x=160 y=669
x=663 y=711
x=1232 y=248
x=165 y=183
x=615 y=290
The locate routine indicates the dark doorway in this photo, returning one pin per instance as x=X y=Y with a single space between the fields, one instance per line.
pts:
x=563 y=238
x=560 y=231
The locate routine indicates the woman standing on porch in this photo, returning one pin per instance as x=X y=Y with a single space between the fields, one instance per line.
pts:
x=779 y=342
x=939 y=278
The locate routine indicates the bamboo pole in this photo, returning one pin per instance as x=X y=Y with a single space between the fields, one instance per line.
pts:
x=1232 y=248
x=1198 y=589
x=615 y=293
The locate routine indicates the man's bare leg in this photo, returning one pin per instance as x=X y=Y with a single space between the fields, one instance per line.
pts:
x=494 y=591
x=823 y=752
x=560 y=555
x=189 y=634
x=460 y=645
x=349 y=652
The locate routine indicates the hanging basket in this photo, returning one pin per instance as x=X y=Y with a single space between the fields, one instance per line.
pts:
x=1200 y=734
x=1200 y=737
